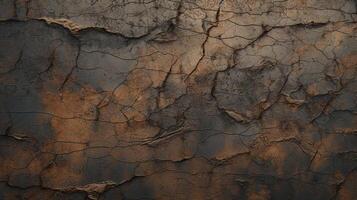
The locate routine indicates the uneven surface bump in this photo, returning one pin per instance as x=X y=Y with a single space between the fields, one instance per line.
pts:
x=178 y=99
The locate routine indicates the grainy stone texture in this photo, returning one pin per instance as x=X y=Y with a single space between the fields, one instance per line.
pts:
x=178 y=99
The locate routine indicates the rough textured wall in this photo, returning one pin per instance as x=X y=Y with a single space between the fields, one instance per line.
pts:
x=178 y=99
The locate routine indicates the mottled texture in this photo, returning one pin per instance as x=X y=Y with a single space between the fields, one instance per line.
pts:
x=178 y=99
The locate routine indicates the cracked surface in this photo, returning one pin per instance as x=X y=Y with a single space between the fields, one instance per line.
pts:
x=169 y=99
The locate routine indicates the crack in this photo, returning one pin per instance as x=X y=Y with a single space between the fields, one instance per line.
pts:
x=203 y=46
x=68 y=76
x=341 y=183
x=18 y=60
